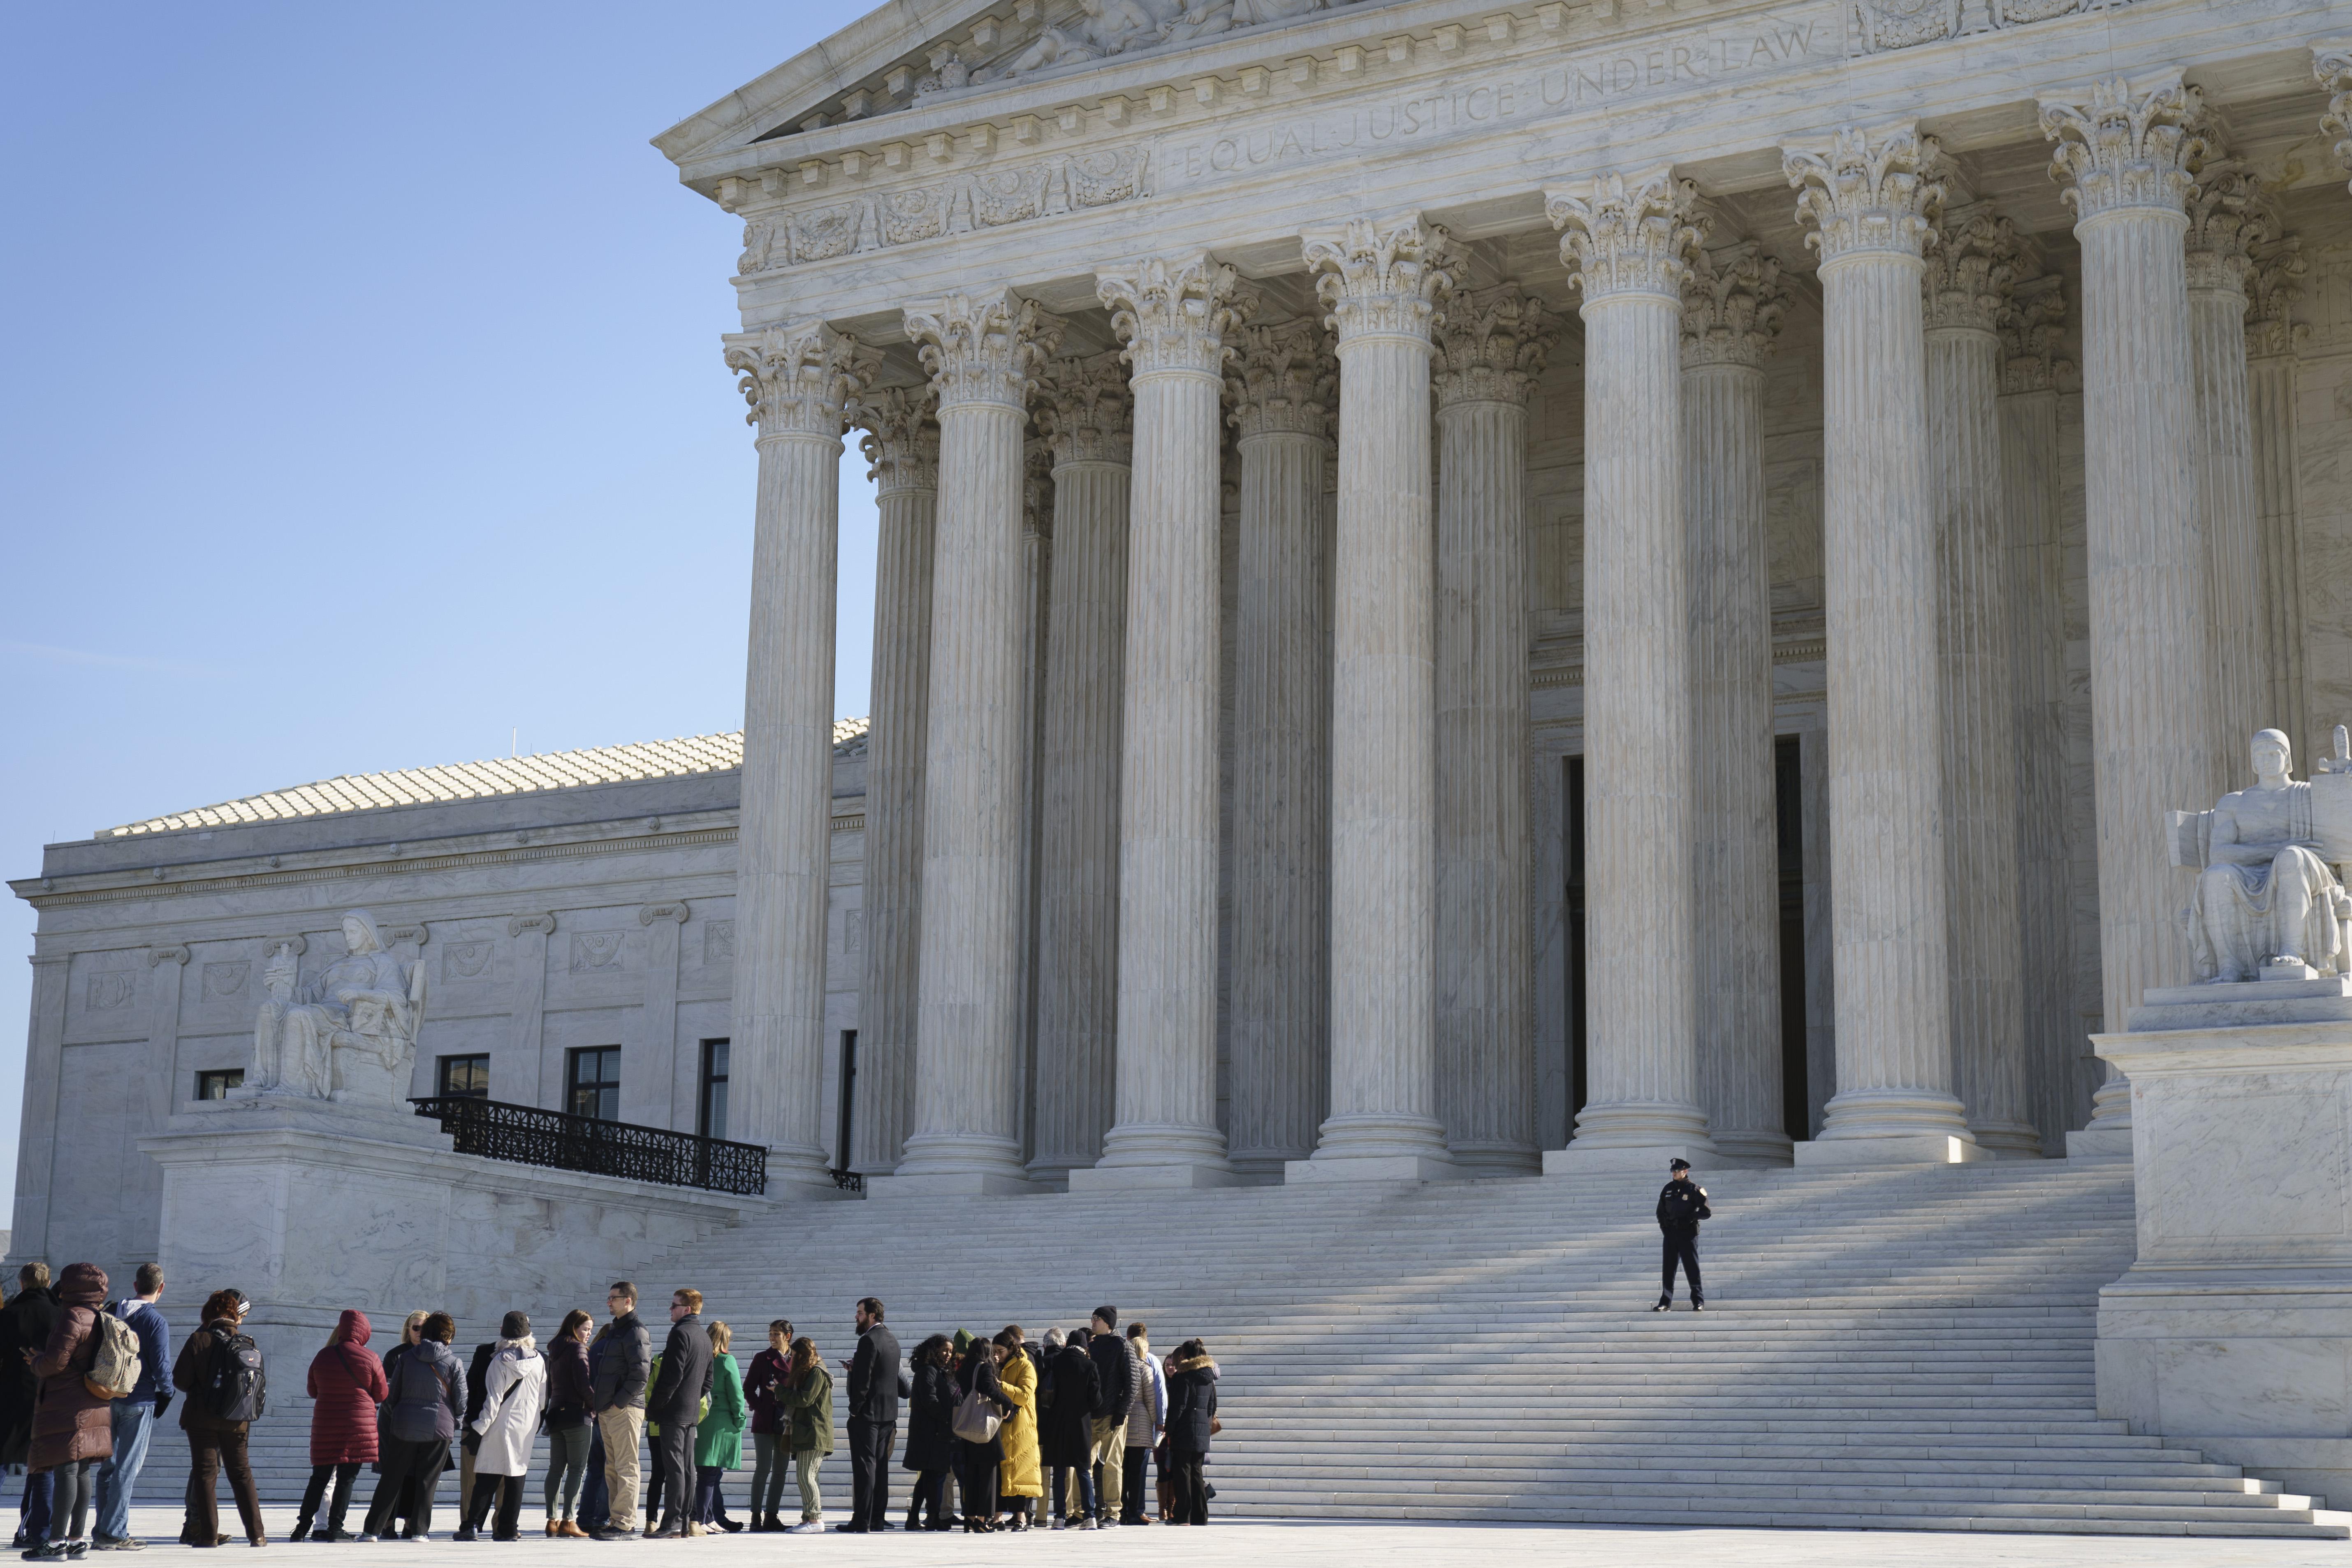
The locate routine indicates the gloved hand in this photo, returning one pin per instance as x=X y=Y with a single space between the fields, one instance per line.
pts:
x=162 y=1403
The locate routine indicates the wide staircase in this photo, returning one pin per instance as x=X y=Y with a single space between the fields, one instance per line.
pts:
x=1908 y=1349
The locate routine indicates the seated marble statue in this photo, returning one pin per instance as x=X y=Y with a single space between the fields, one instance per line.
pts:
x=365 y=1007
x=2266 y=896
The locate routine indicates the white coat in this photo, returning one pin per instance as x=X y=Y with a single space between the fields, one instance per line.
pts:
x=514 y=1391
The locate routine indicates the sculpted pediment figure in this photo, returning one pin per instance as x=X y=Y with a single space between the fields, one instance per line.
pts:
x=2268 y=902
x=347 y=1033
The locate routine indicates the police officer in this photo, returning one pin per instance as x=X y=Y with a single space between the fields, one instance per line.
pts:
x=1680 y=1206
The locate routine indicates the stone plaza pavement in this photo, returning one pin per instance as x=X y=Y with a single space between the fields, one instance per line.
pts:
x=1303 y=1544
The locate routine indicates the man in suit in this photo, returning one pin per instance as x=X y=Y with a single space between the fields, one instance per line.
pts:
x=1680 y=1206
x=875 y=1387
x=674 y=1405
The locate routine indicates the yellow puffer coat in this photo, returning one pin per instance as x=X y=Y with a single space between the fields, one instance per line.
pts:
x=1020 y=1475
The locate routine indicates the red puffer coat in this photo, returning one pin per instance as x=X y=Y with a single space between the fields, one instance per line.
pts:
x=71 y=1422
x=347 y=1383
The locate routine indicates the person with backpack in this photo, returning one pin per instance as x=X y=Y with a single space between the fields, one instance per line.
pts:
x=514 y=1393
x=423 y=1409
x=347 y=1385
x=135 y=1414
x=220 y=1370
x=73 y=1413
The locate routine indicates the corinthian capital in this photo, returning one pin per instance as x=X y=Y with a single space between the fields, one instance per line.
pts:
x=2332 y=64
x=2033 y=329
x=801 y=379
x=2273 y=287
x=1492 y=345
x=2127 y=147
x=1173 y=316
x=1970 y=270
x=983 y=348
x=1732 y=304
x=1868 y=192
x=1382 y=281
x=902 y=438
x=1281 y=379
x=1619 y=238
x=1086 y=410
x=2229 y=215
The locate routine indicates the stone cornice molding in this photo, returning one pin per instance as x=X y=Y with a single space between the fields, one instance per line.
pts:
x=1086 y=411
x=2032 y=328
x=2229 y=215
x=1732 y=305
x=1868 y=193
x=1969 y=270
x=1382 y=279
x=2125 y=148
x=799 y=379
x=1282 y=379
x=983 y=348
x=2331 y=63
x=1492 y=346
x=1626 y=236
x=1172 y=316
x=901 y=443
x=2272 y=286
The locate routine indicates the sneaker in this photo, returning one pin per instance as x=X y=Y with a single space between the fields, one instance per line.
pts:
x=1698 y=1305
x=363 y=1538
x=807 y=1526
x=1663 y=1307
x=46 y=1551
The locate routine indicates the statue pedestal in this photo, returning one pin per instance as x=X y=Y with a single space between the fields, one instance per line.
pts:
x=2234 y=1329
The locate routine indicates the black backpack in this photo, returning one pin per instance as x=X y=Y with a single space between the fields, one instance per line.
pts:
x=236 y=1387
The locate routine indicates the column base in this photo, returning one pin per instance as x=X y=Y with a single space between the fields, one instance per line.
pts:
x=1750 y=1150
x=2099 y=1143
x=1897 y=1149
x=1577 y=1160
x=1138 y=1178
x=949 y=1184
x=1494 y=1161
x=1370 y=1168
x=2009 y=1140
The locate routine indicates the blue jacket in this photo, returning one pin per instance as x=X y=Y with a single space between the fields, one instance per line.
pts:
x=155 y=1349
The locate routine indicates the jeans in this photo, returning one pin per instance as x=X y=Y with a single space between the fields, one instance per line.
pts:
x=709 y=1494
x=1085 y=1501
x=870 y=1471
x=806 y=1465
x=1131 y=1479
x=134 y=1419
x=407 y=1465
x=769 y=1460
x=623 y=1429
x=314 y=1497
x=567 y=1462
x=596 y=1493
x=69 y=1513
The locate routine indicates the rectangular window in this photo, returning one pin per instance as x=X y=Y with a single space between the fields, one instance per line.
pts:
x=594 y=1083
x=710 y=1118
x=466 y=1078
x=216 y=1085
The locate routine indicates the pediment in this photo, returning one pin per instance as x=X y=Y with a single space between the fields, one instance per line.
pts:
x=910 y=54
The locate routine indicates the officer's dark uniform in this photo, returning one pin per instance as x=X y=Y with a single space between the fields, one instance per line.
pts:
x=1680 y=1208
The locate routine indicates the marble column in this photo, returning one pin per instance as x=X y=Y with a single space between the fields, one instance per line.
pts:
x=2032 y=369
x=1083 y=407
x=1381 y=281
x=798 y=380
x=981 y=352
x=2331 y=63
x=2226 y=218
x=1869 y=196
x=902 y=447
x=1491 y=348
x=1172 y=316
x=1627 y=243
x=1732 y=304
x=2152 y=711
x=1037 y=610
x=1280 y=382
x=1968 y=273
x=2273 y=341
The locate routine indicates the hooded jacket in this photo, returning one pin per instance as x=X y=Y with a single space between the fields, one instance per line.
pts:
x=810 y=1404
x=514 y=1391
x=1191 y=1404
x=428 y=1395
x=347 y=1383
x=69 y=1422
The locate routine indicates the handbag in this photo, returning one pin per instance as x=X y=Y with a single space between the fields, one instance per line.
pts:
x=974 y=1421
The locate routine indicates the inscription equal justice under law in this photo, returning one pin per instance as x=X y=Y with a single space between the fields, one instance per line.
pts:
x=1539 y=90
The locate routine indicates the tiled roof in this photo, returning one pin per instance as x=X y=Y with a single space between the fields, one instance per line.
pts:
x=470 y=781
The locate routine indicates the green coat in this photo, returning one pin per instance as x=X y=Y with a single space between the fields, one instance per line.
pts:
x=810 y=1404
x=720 y=1439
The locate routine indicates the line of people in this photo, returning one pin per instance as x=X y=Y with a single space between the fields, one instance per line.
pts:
x=994 y=1424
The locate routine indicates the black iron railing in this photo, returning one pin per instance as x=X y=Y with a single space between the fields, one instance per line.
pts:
x=530 y=1136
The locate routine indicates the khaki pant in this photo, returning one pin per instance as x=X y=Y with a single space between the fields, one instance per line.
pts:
x=623 y=1430
x=1110 y=1453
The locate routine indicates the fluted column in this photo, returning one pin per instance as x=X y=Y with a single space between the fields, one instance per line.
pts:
x=1172 y=316
x=981 y=351
x=2226 y=220
x=1870 y=197
x=2273 y=341
x=2152 y=711
x=2031 y=368
x=1379 y=281
x=902 y=444
x=1491 y=347
x=1280 y=382
x=800 y=381
x=1732 y=304
x=1627 y=243
x=1083 y=407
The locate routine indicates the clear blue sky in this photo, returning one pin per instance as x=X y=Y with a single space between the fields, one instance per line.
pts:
x=363 y=403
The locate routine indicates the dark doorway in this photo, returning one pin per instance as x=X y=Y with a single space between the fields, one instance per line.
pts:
x=1789 y=801
x=1575 y=940
x=848 y=1118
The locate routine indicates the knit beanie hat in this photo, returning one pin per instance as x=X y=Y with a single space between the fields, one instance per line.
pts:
x=514 y=1326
